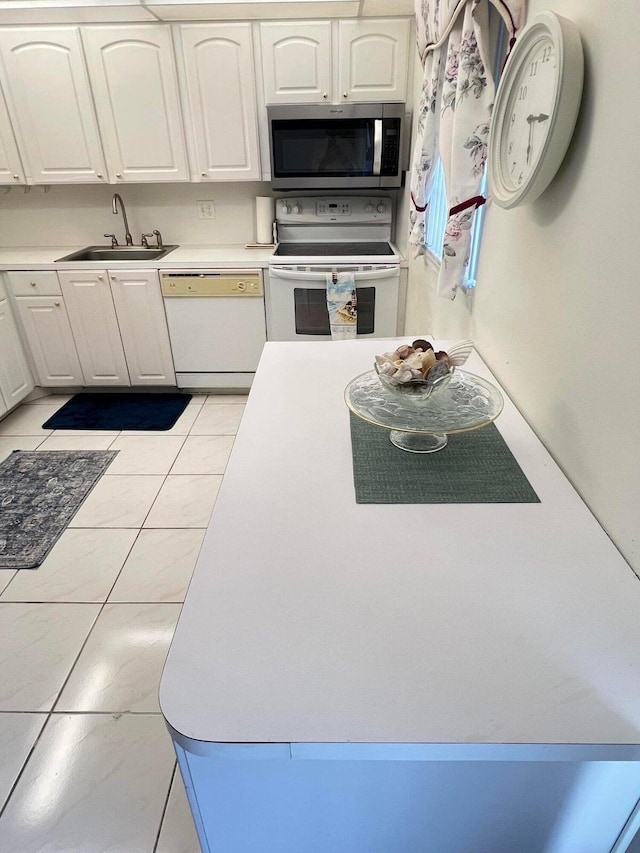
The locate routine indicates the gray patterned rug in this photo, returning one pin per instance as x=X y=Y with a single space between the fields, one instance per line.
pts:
x=40 y=492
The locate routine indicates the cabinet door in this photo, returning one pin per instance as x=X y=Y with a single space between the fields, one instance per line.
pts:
x=372 y=59
x=135 y=85
x=221 y=101
x=296 y=62
x=11 y=171
x=50 y=340
x=50 y=104
x=87 y=297
x=143 y=326
x=15 y=376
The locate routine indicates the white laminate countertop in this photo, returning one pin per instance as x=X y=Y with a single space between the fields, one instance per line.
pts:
x=312 y=619
x=184 y=257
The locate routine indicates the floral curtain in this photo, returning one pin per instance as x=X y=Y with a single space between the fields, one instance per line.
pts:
x=453 y=120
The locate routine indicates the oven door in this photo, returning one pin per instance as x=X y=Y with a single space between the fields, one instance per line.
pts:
x=297 y=307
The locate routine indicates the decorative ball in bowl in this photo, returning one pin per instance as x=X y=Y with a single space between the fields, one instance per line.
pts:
x=418 y=370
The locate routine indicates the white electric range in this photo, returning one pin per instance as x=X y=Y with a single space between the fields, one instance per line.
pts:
x=320 y=236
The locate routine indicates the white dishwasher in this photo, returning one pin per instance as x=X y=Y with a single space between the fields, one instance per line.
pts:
x=217 y=326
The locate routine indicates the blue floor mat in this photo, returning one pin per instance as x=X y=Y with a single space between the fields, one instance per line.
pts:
x=119 y=411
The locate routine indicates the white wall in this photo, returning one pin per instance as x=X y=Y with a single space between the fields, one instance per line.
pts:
x=556 y=312
x=80 y=215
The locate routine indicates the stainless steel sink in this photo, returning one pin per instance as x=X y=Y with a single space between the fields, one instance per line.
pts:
x=117 y=253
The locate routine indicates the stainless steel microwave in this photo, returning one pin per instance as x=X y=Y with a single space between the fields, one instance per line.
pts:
x=337 y=145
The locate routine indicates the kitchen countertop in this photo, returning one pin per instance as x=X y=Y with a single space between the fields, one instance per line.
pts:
x=39 y=258
x=315 y=620
x=184 y=257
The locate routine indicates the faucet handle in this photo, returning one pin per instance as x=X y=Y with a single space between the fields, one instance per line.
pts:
x=143 y=240
x=158 y=237
x=114 y=241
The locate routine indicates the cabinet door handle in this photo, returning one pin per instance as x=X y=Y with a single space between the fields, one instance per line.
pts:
x=324 y=95
x=113 y=278
x=33 y=283
x=345 y=95
x=16 y=177
x=100 y=278
x=57 y=304
x=118 y=175
x=99 y=176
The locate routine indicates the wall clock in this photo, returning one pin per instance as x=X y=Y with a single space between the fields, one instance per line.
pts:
x=535 y=110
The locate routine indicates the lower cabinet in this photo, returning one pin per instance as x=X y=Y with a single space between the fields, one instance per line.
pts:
x=87 y=297
x=50 y=340
x=107 y=328
x=143 y=327
x=15 y=376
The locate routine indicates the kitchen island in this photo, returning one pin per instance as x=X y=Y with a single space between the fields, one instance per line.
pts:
x=395 y=678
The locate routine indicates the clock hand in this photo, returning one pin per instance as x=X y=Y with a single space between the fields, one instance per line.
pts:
x=530 y=119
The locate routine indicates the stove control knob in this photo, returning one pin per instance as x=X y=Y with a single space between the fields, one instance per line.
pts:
x=369 y=208
x=381 y=208
x=297 y=208
x=286 y=208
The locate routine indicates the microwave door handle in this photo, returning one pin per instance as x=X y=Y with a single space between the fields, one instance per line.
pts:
x=359 y=275
x=377 y=146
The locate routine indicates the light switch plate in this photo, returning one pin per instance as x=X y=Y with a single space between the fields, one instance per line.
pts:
x=206 y=210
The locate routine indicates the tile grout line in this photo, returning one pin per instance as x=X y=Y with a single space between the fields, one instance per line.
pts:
x=25 y=762
x=166 y=806
x=88 y=713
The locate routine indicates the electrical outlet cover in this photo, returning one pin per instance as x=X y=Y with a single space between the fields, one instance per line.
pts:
x=206 y=210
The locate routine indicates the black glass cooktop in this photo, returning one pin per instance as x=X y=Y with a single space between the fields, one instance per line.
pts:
x=325 y=250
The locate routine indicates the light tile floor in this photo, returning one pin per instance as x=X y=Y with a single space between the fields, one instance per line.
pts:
x=86 y=763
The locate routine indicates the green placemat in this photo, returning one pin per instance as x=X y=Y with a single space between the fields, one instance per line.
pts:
x=474 y=467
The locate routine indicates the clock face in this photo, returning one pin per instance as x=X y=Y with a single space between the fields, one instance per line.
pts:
x=535 y=110
x=528 y=114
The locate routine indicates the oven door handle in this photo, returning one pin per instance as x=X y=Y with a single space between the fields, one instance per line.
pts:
x=359 y=275
x=377 y=146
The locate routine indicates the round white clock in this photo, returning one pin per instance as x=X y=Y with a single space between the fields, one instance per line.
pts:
x=535 y=110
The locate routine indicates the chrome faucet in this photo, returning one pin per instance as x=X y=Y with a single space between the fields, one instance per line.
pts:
x=127 y=234
x=155 y=233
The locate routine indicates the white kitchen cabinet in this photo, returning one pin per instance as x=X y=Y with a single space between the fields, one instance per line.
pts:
x=296 y=62
x=219 y=100
x=373 y=59
x=348 y=60
x=89 y=304
x=50 y=340
x=143 y=326
x=49 y=100
x=15 y=377
x=135 y=86
x=94 y=328
x=11 y=171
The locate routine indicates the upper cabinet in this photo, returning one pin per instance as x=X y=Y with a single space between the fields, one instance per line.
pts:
x=11 y=171
x=45 y=82
x=318 y=61
x=296 y=62
x=157 y=102
x=135 y=86
x=373 y=59
x=219 y=100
